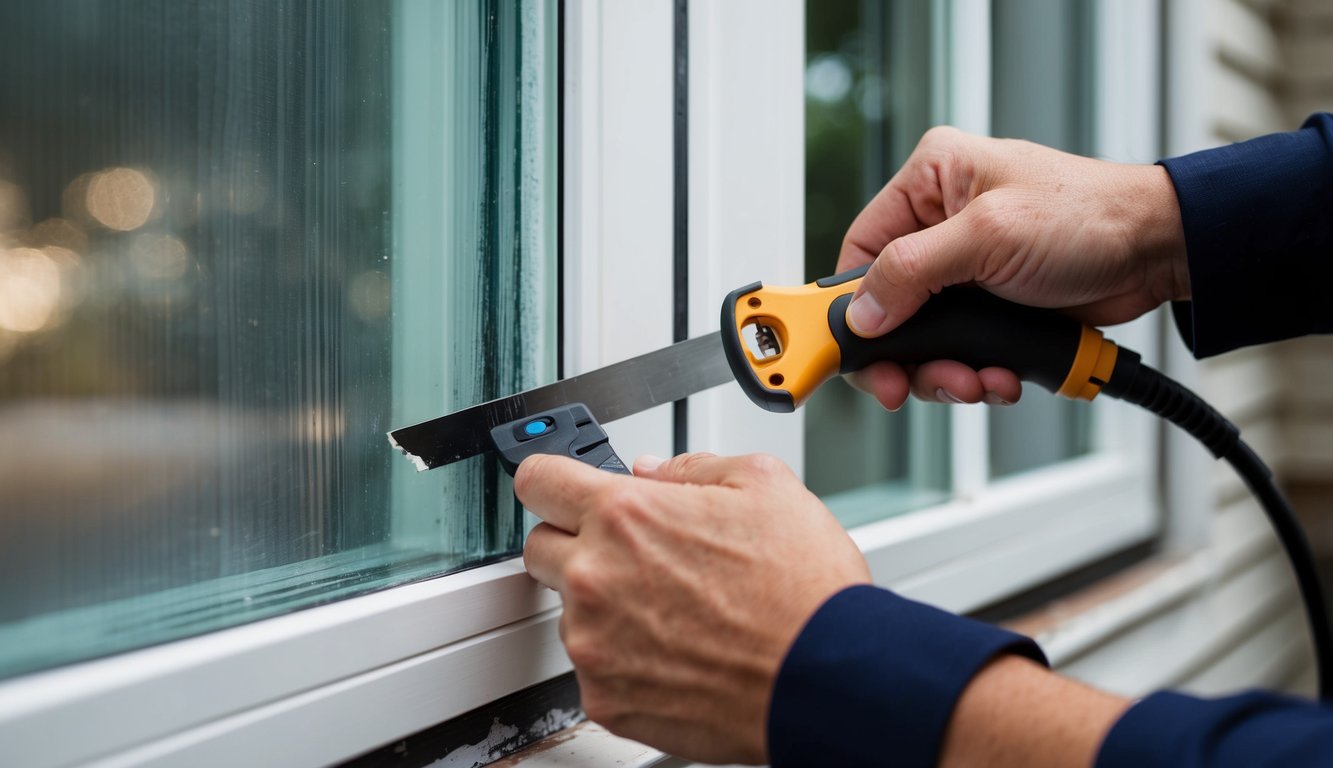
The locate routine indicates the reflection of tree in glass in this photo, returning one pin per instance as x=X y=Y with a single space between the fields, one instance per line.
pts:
x=867 y=91
x=835 y=130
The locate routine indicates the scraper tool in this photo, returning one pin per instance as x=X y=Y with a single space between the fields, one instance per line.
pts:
x=780 y=344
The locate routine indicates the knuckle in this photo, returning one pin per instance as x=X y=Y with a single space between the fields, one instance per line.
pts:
x=622 y=510
x=583 y=583
x=903 y=256
x=939 y=135
x=530 y=547
x=939 y=144
x=689 y=464
x=994 y=214
x=764 y=465
x=759 y=463
x=586 y=654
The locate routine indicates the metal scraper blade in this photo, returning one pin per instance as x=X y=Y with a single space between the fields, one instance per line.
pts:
x=618 y=390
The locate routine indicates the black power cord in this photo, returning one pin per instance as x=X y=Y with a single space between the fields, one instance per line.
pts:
x=1134 y=382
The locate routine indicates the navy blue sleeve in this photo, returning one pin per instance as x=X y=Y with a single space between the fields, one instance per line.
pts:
x=1258 y=218
x=1253 y=730
x=873 y=673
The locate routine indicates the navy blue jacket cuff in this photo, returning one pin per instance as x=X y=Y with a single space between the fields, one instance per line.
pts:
x=874 y=675
x=1251 y=730
x=1257 y=217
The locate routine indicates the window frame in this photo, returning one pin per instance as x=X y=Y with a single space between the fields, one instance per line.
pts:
x=371 y=669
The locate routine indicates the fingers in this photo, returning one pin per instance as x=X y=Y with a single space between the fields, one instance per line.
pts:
x=948 y=381
x=941 y=381
x=912 y=268
x=887 y=382
x=545 y=553
x=887 y=217
x=557 y=488
x=912 y=200
x=1002 y=386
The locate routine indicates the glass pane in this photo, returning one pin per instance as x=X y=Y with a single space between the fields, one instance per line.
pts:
x=239 y=241
x=1042 y=60
x=868 y=95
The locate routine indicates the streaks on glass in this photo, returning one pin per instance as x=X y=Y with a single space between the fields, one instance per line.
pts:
x=202 y=332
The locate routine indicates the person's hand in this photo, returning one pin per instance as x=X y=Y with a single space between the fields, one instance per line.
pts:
x=1100 y=240
x=683 y=589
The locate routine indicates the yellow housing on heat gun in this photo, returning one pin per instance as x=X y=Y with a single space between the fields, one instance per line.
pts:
x=783 y=342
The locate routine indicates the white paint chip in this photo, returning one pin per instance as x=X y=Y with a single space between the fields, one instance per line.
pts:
x=415 y=459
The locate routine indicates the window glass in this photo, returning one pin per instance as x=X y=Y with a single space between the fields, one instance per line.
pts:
x=868 y=100
x=1042 y=82
x=239 y=241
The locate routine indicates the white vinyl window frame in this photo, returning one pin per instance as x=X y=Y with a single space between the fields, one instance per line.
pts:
x=325 y=684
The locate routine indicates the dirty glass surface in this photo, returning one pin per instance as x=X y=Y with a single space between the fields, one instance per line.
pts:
x=240 y=240
x=868 y=97
x=1042 y=82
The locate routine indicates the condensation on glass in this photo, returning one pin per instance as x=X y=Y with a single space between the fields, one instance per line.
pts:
x=239 y=241
x=869 y=97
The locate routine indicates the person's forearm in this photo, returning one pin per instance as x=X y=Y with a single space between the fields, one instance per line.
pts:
x=1018 y=713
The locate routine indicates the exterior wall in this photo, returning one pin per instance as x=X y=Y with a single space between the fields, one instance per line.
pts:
x=1221 y=613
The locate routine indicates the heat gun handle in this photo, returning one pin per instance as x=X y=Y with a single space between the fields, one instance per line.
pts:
x=782 y=343
x=973 y=327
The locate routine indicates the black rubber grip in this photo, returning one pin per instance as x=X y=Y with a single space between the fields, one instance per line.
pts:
x=973 y=327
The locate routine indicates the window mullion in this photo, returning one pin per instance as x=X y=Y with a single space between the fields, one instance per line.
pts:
x=618 y=197
x=746 y=194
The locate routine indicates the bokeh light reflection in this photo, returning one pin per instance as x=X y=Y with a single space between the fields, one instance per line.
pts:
x=29 y=290
x=121 y=198
x=159 y=257
x=13 y=207
x=59 y=232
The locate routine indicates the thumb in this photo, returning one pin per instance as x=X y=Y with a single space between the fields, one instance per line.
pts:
x=911 y=269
